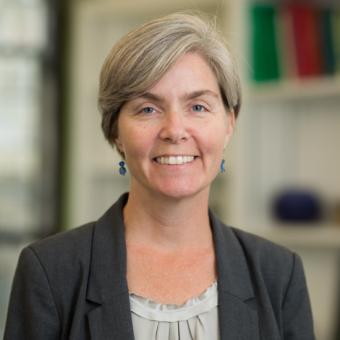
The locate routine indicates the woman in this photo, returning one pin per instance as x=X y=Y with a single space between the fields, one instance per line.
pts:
x=159 y=264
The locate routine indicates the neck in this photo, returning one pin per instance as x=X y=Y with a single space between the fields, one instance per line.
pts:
x=167 y=223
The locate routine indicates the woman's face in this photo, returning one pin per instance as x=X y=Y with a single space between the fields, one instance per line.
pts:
x=173 y=136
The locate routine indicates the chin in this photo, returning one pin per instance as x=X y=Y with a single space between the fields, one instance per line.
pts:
x=182 y=192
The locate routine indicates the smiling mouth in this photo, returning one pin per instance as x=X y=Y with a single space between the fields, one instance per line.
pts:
x=174 y=160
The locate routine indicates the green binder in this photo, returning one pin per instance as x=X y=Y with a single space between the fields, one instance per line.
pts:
x=327 y=41
x=264 y=45
x=336 y=37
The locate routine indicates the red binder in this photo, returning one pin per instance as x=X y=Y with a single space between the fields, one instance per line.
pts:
x=306 y=21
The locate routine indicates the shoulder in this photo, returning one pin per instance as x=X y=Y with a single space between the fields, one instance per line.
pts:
x=260 y=249
x=71 y=253
x=269 y=263
x=74 y=242
x=267 y=257
x=255 y=250
x=78 y=242
x=54 y=271
x=62 y=254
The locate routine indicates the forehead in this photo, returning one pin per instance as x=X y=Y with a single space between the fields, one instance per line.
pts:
x=190 y=72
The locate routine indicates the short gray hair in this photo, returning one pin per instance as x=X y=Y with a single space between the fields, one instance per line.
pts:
x=140 y=58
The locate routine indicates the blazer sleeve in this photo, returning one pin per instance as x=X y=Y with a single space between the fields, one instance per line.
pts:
x=297 y=314
x=32 y=312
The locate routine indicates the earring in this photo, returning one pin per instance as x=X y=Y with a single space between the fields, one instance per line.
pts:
x=122 y=169
x=222 y=166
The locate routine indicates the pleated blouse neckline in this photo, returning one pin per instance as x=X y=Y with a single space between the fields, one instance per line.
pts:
x=196 y=319
x=171 y=312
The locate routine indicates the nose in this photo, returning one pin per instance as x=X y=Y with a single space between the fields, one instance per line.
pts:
x=174 y=129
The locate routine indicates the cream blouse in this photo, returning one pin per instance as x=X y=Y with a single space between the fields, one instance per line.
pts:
x=197 y=319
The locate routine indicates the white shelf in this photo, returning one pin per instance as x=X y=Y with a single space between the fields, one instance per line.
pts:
x=296 y=89
x=306 y=236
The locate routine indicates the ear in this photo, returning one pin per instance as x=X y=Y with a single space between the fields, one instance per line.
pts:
x=119 y=145
x=229 y=127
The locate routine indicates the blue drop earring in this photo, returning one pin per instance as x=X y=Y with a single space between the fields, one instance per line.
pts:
x=122 y=169
x=222 y=166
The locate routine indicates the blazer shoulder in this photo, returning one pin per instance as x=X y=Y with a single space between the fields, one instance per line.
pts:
x=259 y=245
x=66 y=247
x=265 y=256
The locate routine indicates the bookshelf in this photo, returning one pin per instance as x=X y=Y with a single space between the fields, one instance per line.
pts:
x=288 y=135
x=283 y=114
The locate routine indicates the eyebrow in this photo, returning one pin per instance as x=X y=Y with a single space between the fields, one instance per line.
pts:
x=191 y=95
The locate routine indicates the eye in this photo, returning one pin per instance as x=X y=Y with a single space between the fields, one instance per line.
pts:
x=198 y=108
x=147 y=110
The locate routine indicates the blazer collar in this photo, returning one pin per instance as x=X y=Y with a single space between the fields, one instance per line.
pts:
x=232 y=268
x=108 y=287
x=238 y=319
x=108 y=263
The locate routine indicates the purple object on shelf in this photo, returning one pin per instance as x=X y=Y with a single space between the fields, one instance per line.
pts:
x=297 y=206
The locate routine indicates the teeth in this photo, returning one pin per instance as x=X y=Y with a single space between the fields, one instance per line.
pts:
x=175 y=160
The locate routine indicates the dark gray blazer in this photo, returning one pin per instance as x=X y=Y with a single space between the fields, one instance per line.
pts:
x=73 y=286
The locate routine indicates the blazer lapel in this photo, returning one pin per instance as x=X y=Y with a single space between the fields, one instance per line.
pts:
x=111 y=320
x=238 y=317
x=237 y=320
x=109 y=316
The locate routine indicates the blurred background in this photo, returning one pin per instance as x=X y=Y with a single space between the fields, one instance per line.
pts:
x=283 y=165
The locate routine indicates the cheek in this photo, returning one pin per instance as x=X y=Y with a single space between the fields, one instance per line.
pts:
x=215 y=138
x=136 y=143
